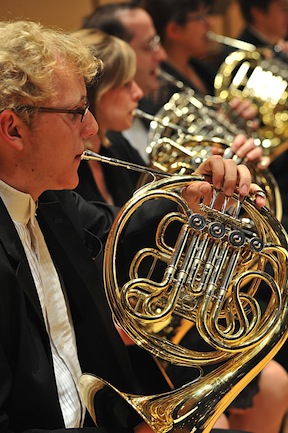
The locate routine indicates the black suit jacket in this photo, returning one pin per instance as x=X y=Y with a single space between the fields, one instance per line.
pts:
x=246 y=35
x=28 y=394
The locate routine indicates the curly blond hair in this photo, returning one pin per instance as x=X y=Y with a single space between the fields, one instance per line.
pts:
x=31 y=55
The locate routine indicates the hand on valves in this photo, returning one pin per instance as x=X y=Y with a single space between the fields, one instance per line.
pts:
x=225 y=175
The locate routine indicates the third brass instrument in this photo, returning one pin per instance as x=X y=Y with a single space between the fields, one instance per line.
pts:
x=260 y=75
x=203 y=271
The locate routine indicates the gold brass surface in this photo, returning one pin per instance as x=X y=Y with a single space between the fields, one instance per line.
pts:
x=259 y=74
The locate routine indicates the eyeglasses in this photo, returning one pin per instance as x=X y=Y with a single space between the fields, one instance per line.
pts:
x=201 y=16
x=77 y=111
x=153 y=44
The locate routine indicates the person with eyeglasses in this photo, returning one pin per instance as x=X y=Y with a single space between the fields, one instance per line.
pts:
x=265 y=25
x=55 y=322
x=134 y=25
x=183 y=27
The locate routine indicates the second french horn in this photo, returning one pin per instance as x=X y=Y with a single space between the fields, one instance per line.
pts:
x=261 y=75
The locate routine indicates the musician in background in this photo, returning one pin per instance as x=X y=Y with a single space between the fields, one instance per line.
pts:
x=266 y=25
x=112 y=100
x=54 y=318
x=135 y=26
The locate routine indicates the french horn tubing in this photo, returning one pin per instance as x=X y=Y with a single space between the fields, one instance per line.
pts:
x=203 y=270
x=259 y=74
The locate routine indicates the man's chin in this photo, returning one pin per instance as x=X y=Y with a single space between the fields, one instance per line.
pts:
x=70 y=184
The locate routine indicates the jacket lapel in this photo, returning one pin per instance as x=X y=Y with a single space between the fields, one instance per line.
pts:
x=14 y=251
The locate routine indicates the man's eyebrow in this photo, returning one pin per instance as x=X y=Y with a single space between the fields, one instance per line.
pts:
x=83 y=98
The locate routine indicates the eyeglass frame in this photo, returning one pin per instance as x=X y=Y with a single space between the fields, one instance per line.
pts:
x=80 y=111
x=200 y=16
x=153 y=44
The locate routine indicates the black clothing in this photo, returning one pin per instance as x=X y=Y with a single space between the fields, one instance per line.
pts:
x=247 y=35
x=166 y=89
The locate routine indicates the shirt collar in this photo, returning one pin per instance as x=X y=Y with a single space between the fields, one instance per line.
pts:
x=20 y=205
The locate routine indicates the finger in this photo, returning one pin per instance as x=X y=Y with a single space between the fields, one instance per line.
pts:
x=224 y=174
x=244 y=108
x=264 y=162
x=254 y=123
x=258 y=194
x=241 y=145
x=213 y=166
x=254 y=155
x=230 y=178
x=195 y=192
x=244 y=182
x=217 y=150
x=248 y=112
x=234 y=103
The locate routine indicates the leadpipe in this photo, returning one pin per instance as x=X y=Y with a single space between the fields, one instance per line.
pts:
x=231 y=42
x=174 y=126
x=89 y=155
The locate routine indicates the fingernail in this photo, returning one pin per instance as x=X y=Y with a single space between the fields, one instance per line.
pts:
x=263 y=163
x=244 y=189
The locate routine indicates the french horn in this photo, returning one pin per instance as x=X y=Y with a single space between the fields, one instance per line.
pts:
x=204 y=271
x=259 y=74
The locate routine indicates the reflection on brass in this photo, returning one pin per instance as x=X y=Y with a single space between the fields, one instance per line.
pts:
x=207 y=274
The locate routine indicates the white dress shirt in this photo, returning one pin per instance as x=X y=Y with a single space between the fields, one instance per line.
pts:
x=137 y=136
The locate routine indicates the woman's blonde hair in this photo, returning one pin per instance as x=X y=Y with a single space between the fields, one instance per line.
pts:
x=31 y=55
x=119 y=62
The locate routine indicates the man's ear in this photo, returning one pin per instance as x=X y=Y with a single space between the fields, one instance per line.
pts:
x=256 y=13
x=10 y=129
x=172 y=30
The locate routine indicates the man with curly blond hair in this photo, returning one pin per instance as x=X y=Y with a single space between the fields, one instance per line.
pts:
x=55 y=322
